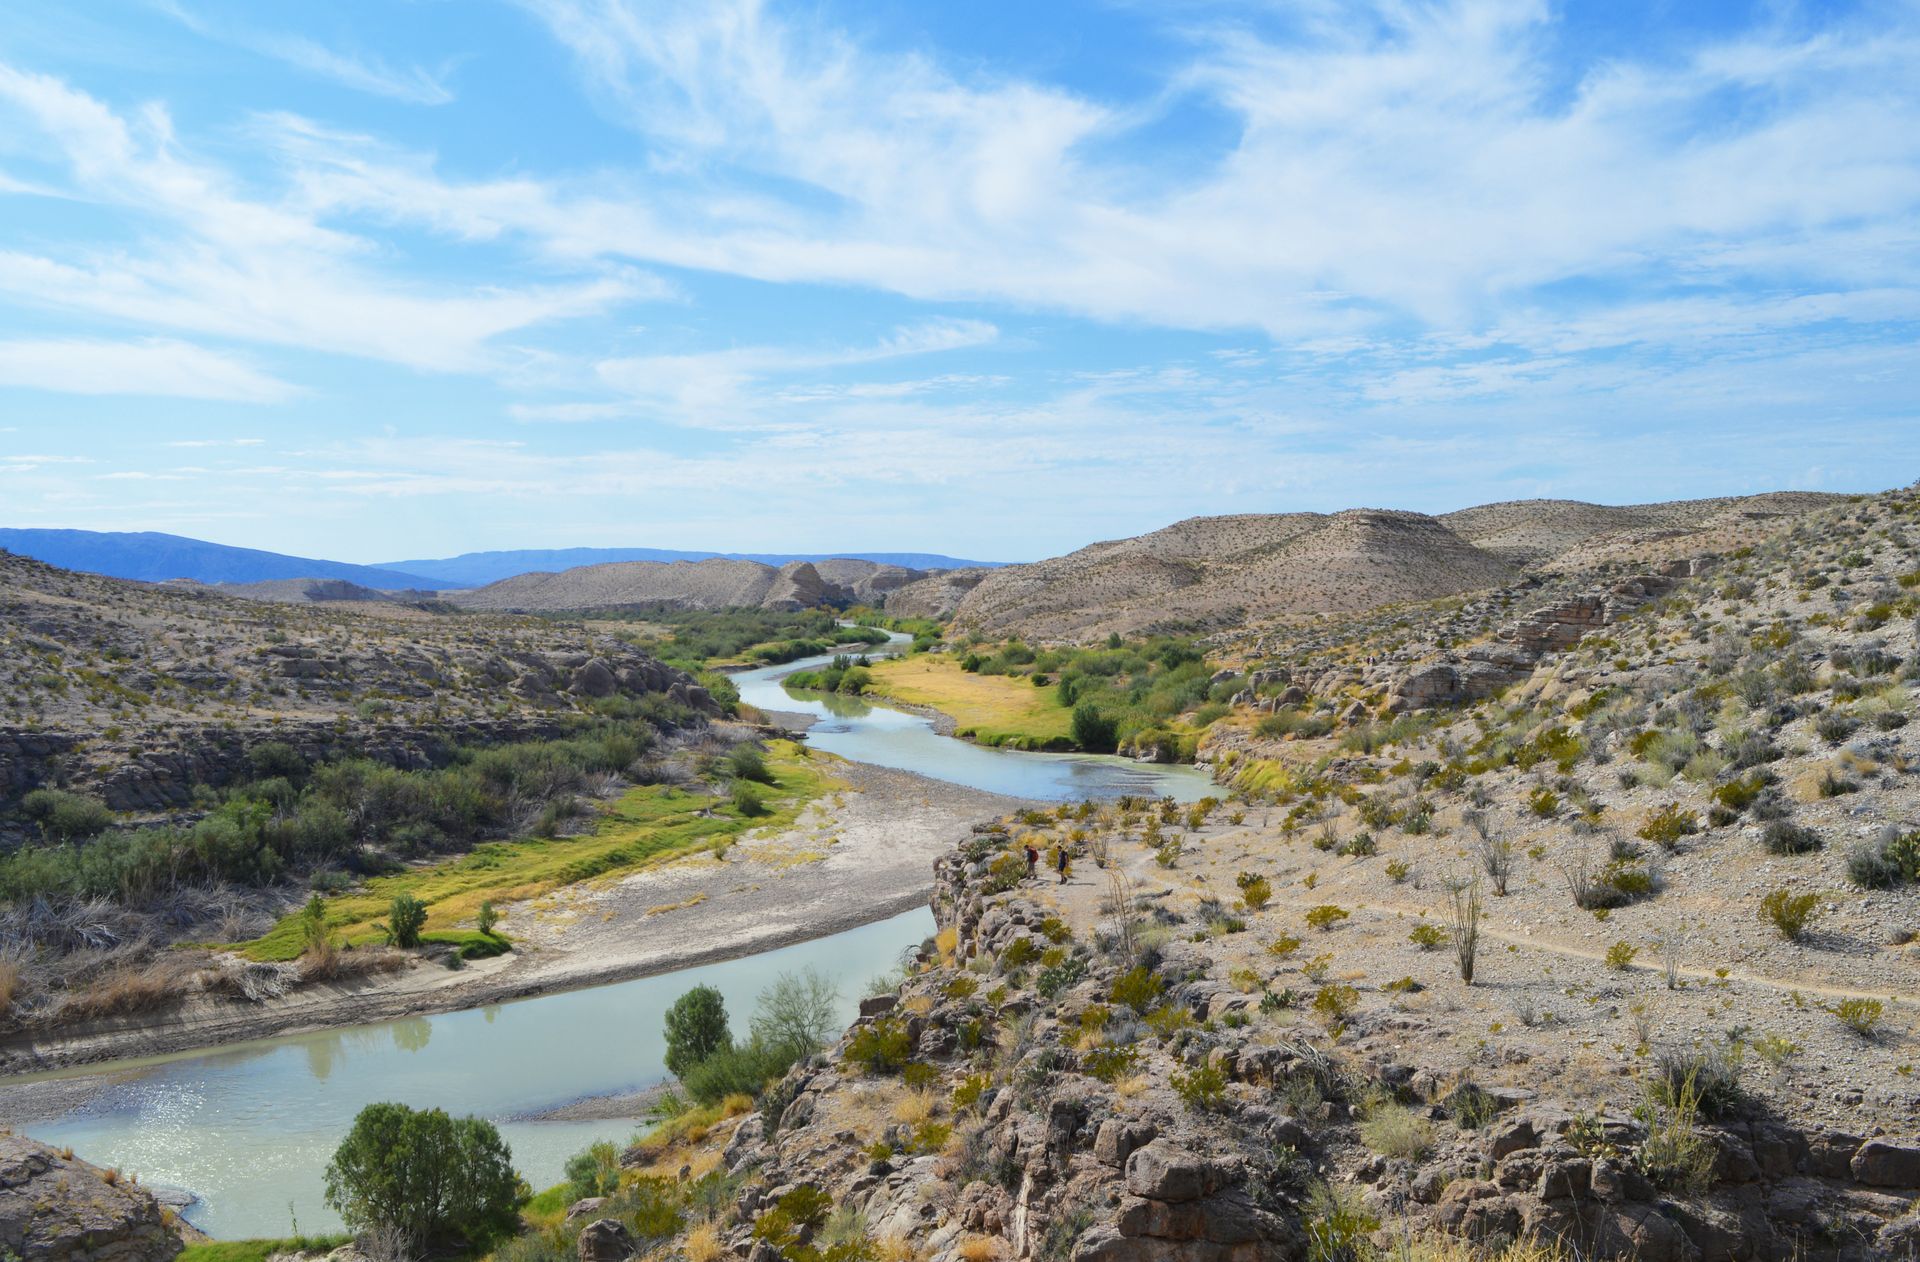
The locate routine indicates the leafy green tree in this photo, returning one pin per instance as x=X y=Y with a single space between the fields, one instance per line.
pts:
x=1094 y=731
x=696 y=1029
x=435 y=1179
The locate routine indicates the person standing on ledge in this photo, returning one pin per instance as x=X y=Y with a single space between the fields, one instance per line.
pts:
x=1033 y=858
x=1061 y=864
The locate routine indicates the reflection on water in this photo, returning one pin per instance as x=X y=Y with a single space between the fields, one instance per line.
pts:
x=876 y=733
x=249 y=1129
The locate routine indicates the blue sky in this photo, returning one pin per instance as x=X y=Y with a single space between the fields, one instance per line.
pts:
x=414 y=277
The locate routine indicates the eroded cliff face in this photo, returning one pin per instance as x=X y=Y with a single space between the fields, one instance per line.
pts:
x=55 y=1208
x=1071 y=1073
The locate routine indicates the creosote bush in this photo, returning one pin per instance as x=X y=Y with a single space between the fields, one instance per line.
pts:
x=1789 y=913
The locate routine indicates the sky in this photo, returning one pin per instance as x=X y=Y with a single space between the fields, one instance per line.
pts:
x=381 y=279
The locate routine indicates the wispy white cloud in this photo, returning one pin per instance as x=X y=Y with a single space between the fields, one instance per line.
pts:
x=150 y=366
x=223 y=262
x=413 y=84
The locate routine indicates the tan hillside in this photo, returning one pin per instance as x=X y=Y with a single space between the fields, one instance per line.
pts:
x=1211 y=573
x=1546 y=532
x=710 y=584
x=1217 y=571
x=935 y=596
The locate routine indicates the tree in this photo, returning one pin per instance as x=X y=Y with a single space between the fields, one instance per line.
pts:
x=1094 y=731
x=431 y=1178
x=696 y=1029
x=796 y=1013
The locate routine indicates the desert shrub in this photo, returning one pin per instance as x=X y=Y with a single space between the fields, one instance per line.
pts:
x=1834 y=728
x=1005 y=872
x=1667 y=825
x=1789 y=913
x=1888 y=862
x=696 y=1028
x=66 y=817
x=1393 y=1130
x=406 y=917
x=1138 y=988
x=1111 y=1064
x=1861 y=1016
x=1620 y=956
x=1202 y=1089
x=1428 y=937
x=593 y=1171
x=747 y=761
x=1060 y=977
x=433 y=1179
x=736 y=1069
x=1338 y=1224
x=1326 y=916
x=1335 y=1002
x=1362 y=843
x=1711 y=1073
x=1255 y=890
x=880 y=1047
x=1464 y=927
x=1783 y=836
x=1019 y=952
x=1675 y=1155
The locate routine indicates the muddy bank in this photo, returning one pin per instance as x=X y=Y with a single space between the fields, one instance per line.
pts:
x=855 y=857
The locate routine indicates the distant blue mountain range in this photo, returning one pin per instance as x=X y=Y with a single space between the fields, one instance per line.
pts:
x=155 y=558
x=476 y=569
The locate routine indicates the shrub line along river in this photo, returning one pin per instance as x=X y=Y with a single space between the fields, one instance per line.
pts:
x=248 y=1129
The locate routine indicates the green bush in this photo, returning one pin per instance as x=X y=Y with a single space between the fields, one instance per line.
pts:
x=748 y=762
x=1138 y=988
x=747 y=800
x=1094 y=731
x=436 y=1180
x=594 y=1171
x=696 y=1028
x=406 y=917
x=737 y=1069
x=881 y=1046
x=1790 y=913
x=66 y=817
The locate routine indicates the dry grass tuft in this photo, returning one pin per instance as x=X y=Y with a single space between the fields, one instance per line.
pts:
x=703 y=1244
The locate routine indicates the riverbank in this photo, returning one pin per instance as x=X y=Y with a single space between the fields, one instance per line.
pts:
x=851 y=858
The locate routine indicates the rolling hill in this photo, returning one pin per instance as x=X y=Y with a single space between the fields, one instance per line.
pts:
x=1208 y=573
x=476 y=569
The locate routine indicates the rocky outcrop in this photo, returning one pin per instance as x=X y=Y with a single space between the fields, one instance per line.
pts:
x=1520 y=646
x=55 y=1208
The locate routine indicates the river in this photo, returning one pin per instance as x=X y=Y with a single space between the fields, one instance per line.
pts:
x=248 y=1129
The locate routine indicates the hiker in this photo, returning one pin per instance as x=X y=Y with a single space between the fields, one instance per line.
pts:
x=1033 y=857
x=1061 y=864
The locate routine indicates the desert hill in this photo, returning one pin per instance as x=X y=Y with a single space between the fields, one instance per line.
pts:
x=476 y=569
x=142 y=689
x=1215 y=571
x=1209 y=573
x=709 y=584
x=1536 y=532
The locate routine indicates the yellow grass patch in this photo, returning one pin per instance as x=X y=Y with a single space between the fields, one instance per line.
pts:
x=682 y=905
x=991 y=709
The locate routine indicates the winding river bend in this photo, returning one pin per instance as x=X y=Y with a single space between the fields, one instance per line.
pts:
x=248 y=1129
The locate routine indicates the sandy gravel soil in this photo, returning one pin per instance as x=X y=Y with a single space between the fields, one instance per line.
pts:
x=853 y=858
